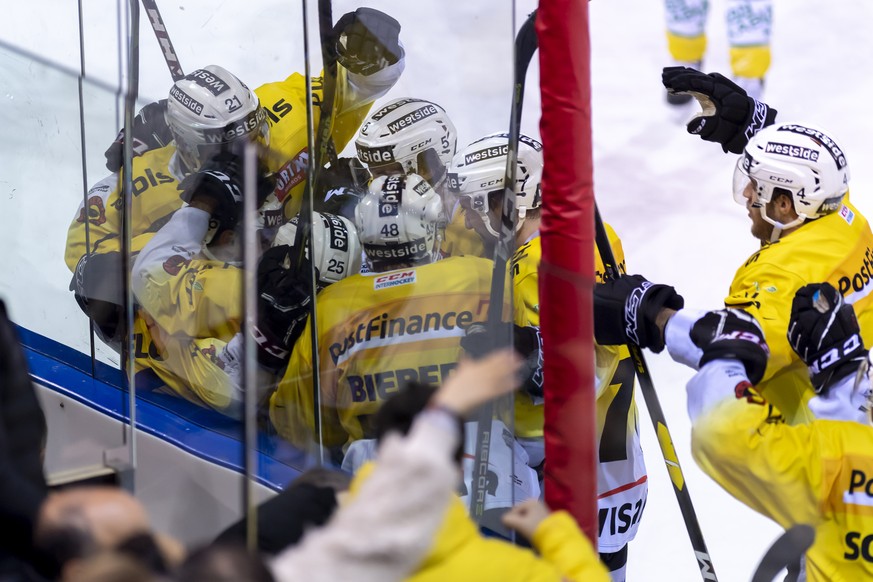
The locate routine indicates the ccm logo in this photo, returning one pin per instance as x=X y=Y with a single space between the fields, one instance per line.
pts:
x=395 y=276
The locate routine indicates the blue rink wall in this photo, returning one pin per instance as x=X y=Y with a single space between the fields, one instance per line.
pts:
x=189 y=470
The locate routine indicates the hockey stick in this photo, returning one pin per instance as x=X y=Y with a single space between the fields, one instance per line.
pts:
x=785 y=553
x=525 y=47
x=647 y=387
x=163 y=37
x=318 y=143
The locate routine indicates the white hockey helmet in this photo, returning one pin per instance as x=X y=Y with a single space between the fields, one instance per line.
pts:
x=335 y=243
x=408 y=135
x=480 y=169
x=208 y=110
x=400 y=221
x=799 y=159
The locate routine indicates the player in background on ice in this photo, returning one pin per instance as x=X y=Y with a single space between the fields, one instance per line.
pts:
x=476 y=178
x=415 y=136
x=188 y=284
x=817 y=473
x=210 y=111
x=748 y=29
x=794 y=182
x=400 y=322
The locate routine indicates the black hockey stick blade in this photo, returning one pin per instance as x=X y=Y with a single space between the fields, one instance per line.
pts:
x=785 y=552
x=653 y=405
x=160 y=30
x=525 y=48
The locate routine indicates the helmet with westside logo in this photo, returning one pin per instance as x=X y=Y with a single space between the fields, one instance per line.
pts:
x=399 y=222
x=480 y=169
x=209 y=111
x=409 y=136
x=802 y=160
x=335 y=243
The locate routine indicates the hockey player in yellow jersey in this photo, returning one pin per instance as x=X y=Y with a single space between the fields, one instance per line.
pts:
x=476 y=178
x=794 y=181
x=410 y=135
x=402 y=321
x=211 y=110
x=187 y=281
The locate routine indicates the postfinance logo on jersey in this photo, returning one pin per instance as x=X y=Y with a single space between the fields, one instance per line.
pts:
x=385 y=330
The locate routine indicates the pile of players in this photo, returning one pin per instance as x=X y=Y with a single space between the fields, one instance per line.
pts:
x=401 y=239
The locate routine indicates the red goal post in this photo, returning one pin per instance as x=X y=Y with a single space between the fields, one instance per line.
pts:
x=567 y=268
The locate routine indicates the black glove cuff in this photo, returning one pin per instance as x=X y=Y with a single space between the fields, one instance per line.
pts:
x=641 y=312
x=834 y=364
x=759 y=116
x=753 y=358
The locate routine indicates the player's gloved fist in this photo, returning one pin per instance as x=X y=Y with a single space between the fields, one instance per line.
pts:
x=481 y=339
x=824 y=332
x=626 y=311
x=150 y=132
x=218 y=187
x=283 y=305
x=729 y=116
x=367 y=41
x=731 y=334
x=342 y=186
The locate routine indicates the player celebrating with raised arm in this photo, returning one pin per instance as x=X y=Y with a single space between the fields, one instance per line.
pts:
x=794 y=180
x=817 y=473
x=476 y=178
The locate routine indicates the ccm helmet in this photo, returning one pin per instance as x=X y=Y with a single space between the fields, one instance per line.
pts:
x=398 y=222
x=799 y=159
x=208 y=110
x=480 y=169
x=335 y=242
x=408 y=135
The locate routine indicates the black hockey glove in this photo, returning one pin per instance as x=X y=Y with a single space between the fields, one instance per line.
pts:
x=731 y=334
x=481 y=339
x=729 y=117
x=219 y=185
x=98 y=287
x=341 y=187
x=150 y=132
x=367 y=41
x=625 y=310
x=824 y=332
x=283 y=306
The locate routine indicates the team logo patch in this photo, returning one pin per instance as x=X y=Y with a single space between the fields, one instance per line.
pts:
x=784 y=149
x=291 y=174
x=175 y=264
x=847 y=214
x=96 y=211
x=393 y=280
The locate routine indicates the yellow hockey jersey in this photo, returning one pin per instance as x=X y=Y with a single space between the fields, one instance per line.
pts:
x=188 y=367
x=460 y=240
x=622 y=480
x=97 y=224
x=837 y=248
x=376 y=331
x=820 y=473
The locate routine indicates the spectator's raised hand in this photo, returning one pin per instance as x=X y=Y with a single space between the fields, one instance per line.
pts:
x=526 y=517
x=475 y=382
